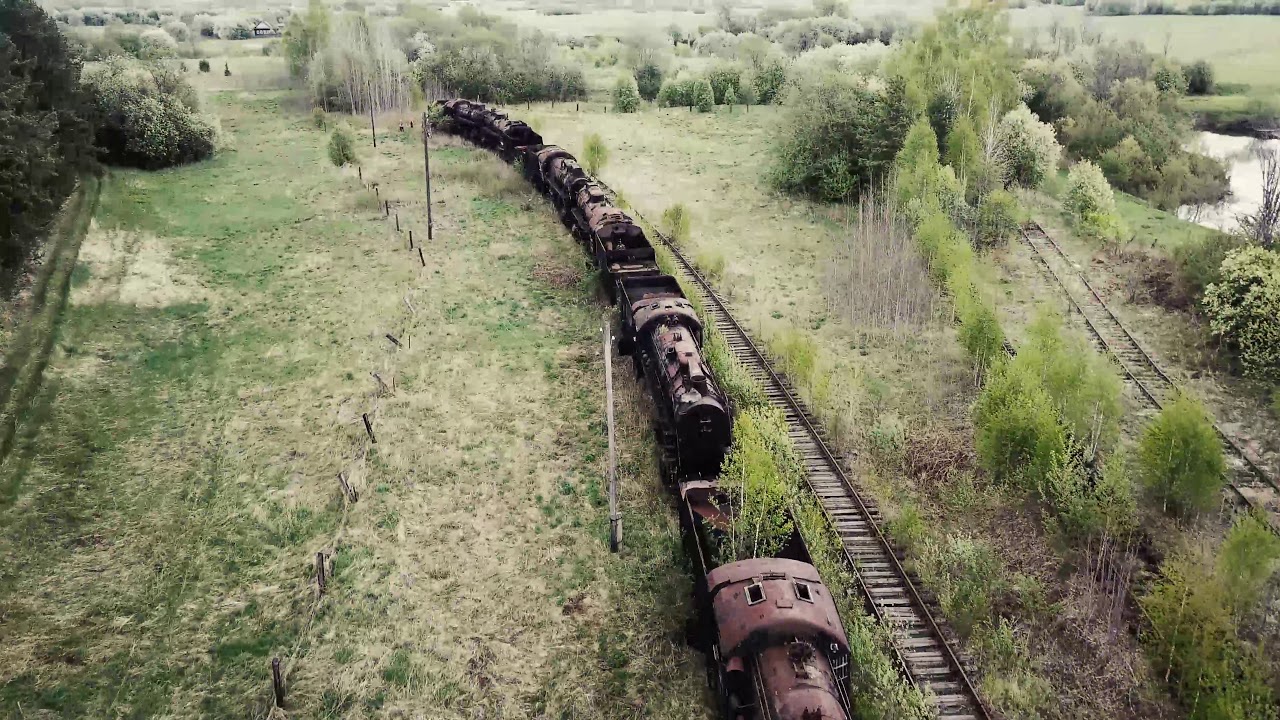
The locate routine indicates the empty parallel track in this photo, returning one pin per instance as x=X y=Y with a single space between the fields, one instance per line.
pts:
x=923 y=649
x=1248 y=482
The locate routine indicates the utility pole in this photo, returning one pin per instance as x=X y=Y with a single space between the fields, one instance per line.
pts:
x=615 y=518
x=426 y=164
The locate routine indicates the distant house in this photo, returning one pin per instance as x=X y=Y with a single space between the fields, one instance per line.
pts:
x=261 y=29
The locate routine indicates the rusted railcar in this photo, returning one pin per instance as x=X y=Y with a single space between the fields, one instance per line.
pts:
x=779 y=651
x=662 y=333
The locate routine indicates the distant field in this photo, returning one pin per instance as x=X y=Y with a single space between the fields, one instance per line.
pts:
x=1242 y=48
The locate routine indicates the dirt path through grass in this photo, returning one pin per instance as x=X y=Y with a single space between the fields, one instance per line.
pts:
x=178 y=471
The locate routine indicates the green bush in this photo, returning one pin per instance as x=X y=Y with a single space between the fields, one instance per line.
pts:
x=1169 y=79
x=1198 y=265
x=148 y=115
x=649 y=80
x=964 y=151
x=840 y=136
x=595 y=155
x=980 y=332
x=997 y=218
x=1200 y=78
x=675 y=222
x=1018 y=436
x=342 y=149
x=1180 y=458
x=761 y=474
x=1090 y=202
x=1084 y=387
x=319 y=118
x=1030 y=146
x=703 y=96
x=1244 y=309
x=626 y=97
x=1193 y=641
x=1085 y=508
x=1247 y=561
x=203 y=65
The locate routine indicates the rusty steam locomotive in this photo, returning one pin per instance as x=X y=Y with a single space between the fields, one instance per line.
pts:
x=775 y=647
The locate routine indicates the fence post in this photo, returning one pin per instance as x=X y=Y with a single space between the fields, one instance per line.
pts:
x=426 y=165
x=615 y=518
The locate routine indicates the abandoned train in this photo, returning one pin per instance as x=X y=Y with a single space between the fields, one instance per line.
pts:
x=774 y=643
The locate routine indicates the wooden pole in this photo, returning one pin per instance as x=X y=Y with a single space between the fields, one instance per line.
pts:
x=615 y=518
x=277 y=682
x=426 y=166
x=373 y=128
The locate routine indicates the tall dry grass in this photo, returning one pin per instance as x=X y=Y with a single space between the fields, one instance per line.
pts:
x=877 y=277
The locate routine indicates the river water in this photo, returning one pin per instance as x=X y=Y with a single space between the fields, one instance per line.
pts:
x=1246 y=179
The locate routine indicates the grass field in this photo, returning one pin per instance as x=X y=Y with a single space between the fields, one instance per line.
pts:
x=176 y=474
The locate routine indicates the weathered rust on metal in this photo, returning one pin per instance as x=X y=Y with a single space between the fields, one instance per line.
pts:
x=706 y=500
x=778 y=632
x=749 y=621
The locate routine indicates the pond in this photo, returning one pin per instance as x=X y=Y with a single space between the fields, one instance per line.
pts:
x=1246 y=179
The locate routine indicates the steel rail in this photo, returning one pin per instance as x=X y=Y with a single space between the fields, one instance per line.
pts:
x=968 y=703
x=1136 y=348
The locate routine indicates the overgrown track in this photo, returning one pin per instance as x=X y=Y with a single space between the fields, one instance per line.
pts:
x=923 y=647
x=1248 y=482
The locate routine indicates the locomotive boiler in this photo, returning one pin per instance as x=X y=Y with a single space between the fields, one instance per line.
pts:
x=662 y=333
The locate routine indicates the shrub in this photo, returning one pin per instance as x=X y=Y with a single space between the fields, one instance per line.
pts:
x=1018 y=437
x=1247 y=561
x=342 y=149
x=1030 y=147
x=675 y=222
x=155 y=44
x=1193 y=642
x=964 y=151
x=649 y=80
x=626 y=98
x=769 y=77
x=148 y=116
x=1244 y=309
x=203 y=65
x=980 y=332
x=730 y=97
x=703 y=96
x=319 y=118
x=1180 y=458
x=1200 y=78
x=840 y=136
x=1090 y=201
x=1169 y=79
x=1199 y=263
x=178 y=30
x=997 y=220
x=594 y=153
x=761 y=473
x=1084 y=507
x=1083 y=385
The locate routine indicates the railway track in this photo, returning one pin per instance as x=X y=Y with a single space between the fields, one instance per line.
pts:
x=923 y=648
x=1247 y=482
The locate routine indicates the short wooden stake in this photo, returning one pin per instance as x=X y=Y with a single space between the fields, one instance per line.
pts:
x=410 y=239
x=420 y=258
x=576 y=108
x=393 y=339
x=277 y=682
x=360 y=174
x=386 y=208
x=397 y=222
x=369 y=428
x=320 y=578
x=350 y=492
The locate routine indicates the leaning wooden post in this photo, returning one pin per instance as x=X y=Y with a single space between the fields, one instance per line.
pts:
x=426 y=166
x=373 y=128
x=615 y=518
